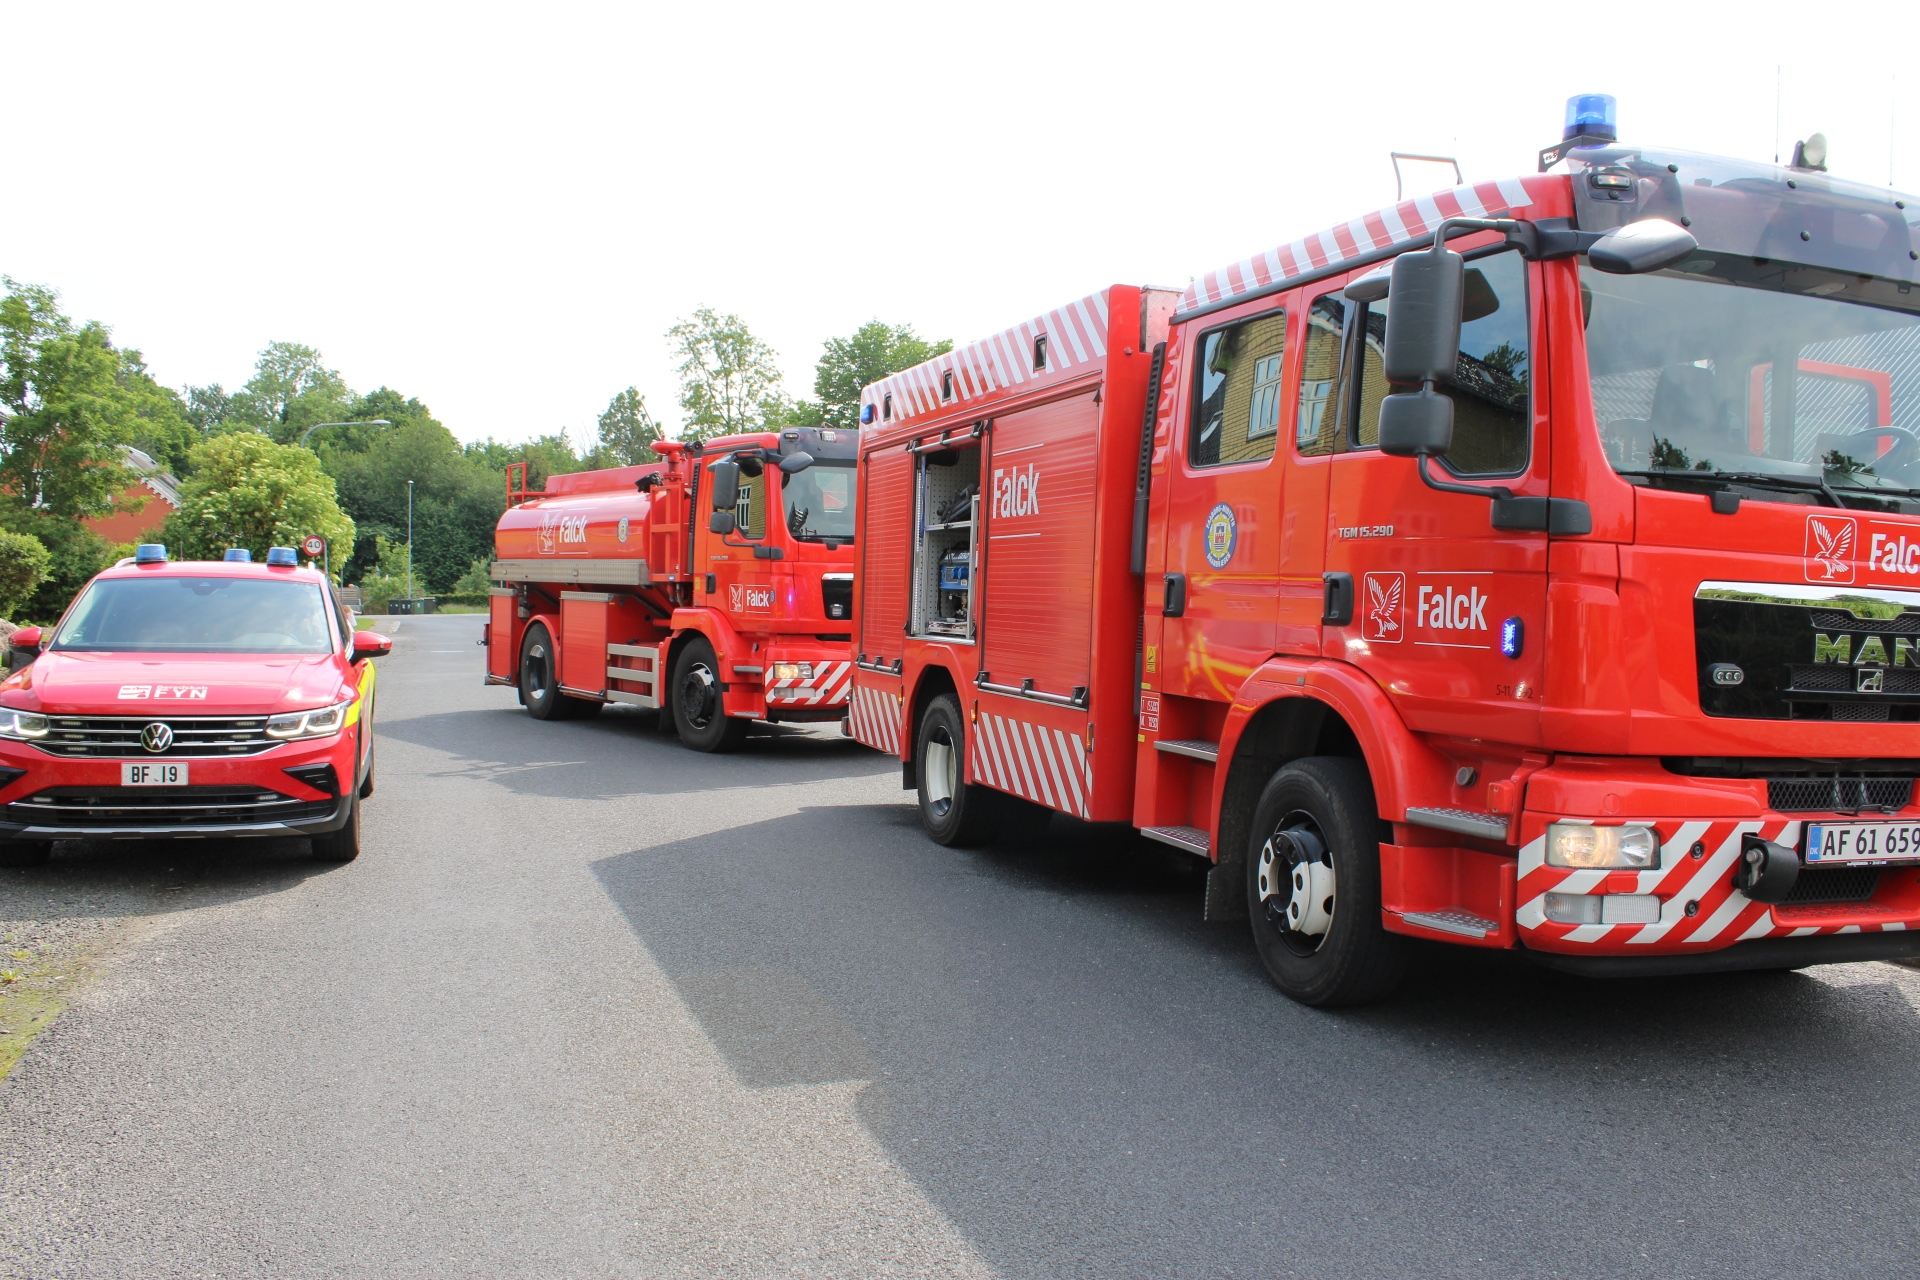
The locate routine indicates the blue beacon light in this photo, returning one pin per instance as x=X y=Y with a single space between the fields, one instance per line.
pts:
x=1592 y=115
x=1513 y=636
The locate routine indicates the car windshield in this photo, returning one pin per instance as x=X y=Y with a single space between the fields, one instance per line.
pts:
x=177 y=614
x=1779 y=375
x=819 y=501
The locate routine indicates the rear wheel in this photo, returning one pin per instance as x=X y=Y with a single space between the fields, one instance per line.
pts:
x=540 y=678
x=955 y=811
x=342 y=845
x=25 y=853
x=1313 y=885
x=699 y=707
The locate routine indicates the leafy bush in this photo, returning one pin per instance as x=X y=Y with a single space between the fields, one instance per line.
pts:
x=474 y=581
x=24 y=562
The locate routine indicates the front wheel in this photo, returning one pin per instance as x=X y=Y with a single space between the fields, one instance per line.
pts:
x=955 y=812
x=699 y=703
x=1313 y=885
x=342 y=845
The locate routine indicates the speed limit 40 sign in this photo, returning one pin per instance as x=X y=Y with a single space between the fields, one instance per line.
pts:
x=314 y=545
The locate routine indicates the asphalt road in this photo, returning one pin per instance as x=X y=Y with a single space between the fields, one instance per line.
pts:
x=591 y=1004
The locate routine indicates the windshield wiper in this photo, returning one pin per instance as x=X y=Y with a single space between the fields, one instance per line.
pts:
x=1758 y=479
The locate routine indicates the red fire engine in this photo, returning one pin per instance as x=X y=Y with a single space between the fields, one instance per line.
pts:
x=716 y=586
x=1569 y=604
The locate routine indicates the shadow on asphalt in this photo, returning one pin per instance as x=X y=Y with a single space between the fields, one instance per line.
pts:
x=1087 y=1078
x=135 y=877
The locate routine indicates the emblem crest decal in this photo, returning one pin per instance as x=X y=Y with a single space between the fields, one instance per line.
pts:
x=1829 y=549
x=1222 y=533
x=1385 y=593
x=157 y=737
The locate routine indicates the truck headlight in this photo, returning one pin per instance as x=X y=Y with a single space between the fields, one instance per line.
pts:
x=22 y=724
x=793 y=671
x=1590 y=848
x=309 y=724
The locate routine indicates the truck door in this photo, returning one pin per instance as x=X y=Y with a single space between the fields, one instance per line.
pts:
x=743 y=585
x=1434 y=586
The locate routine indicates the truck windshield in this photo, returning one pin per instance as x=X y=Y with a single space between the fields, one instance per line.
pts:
x=197 y=615
x=820 y=501
x=1763 y=373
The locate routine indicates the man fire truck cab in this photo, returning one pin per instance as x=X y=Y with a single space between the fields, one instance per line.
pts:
x=716 y=585
x=1535 y=565
x=190 y=699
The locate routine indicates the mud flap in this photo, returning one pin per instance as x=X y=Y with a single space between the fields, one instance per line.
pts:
x=1226 y=891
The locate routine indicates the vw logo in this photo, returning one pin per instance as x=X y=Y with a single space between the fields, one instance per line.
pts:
x=157 y=737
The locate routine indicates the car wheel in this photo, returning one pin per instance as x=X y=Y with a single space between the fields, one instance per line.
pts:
x=540 y=676
x=1313 y=885
x=956 y=812
x=25 y=853
x=342 y=845
x=699 y=707
x=366 y=783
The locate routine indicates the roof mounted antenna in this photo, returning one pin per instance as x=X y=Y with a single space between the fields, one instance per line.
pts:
x=1399 y=181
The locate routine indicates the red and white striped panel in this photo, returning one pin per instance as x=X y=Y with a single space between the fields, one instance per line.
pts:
x=1725 y=915
x=1076 y=335
x=1401 y=224
x=875 y=718
x=826 y=687
x=1031 y=760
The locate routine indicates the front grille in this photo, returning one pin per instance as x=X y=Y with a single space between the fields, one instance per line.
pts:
x=1906 y=624
x=1837 y=795
x=161 y=807
x=1834 y=884
x=119 y=736
x=1829 y=678
x=1857 y=712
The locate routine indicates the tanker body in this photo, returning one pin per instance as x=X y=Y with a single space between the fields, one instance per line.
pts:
x=715 y=586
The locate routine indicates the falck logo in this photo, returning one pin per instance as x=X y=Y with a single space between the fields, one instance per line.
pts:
x=1829 y=550
x=1385 y=592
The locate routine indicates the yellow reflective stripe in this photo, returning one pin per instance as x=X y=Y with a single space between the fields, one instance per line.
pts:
x=366 y=687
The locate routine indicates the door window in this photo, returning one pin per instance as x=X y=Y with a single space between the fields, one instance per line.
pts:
x=750 y=507
x=1237 y=416
x=1314 y=429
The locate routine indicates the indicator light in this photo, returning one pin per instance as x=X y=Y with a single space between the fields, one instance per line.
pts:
x=1513 y=637
x=1593 y=115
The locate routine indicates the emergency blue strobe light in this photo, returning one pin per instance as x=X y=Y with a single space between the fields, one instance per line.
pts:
x=866 y=415
x=150 y=553
x=1513 y=636
x=282 y=557
x=1593 y=115
x=239 y=555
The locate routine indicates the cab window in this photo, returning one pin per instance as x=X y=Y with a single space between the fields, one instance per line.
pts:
x=750 y=507
x=1237 y=393
x=1319 y=417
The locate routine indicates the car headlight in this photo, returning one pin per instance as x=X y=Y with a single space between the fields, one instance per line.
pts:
x=22 y=724
x=308 y=724
x=1589 y=848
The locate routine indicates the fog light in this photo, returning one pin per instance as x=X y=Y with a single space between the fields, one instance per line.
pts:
x=1603 y=908
x=1586 y=847
x=1573 y=908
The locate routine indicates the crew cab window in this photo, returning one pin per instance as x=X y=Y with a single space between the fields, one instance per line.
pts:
x=1491 y=407
x=1315 y=429
x=170 y=614
x=1237 y=393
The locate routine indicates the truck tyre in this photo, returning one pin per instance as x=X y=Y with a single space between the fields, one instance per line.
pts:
x=1313 y=885
x=25 y=853
x=955 y=812
x=342 y=845
x=540 y=677
x=699 y=709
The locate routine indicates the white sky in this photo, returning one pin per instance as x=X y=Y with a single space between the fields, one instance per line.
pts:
x=501 y=210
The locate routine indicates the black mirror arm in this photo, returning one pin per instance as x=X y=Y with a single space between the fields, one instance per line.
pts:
x=1494 y=491
x=1550 y=239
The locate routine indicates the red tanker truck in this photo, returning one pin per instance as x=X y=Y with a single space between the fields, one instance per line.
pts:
x=715 y=586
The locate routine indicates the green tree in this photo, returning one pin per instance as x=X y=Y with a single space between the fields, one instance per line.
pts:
x=627 y=430
x=291 y=390
x=160 y=426
x=874 y=351
x=24 y=561
x=729 y=379
x=247 y=491
x=63 y=407
x=474 y=581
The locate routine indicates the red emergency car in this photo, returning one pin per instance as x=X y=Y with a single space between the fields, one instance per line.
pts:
x=186 y=700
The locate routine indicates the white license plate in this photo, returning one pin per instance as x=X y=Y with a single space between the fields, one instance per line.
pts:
x=169 y=774
x=1831 y=842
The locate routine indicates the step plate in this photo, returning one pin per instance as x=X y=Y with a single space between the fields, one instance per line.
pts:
x=1193 y=750
x=1465 y=822
x=1452 y=920
x=1192 y=839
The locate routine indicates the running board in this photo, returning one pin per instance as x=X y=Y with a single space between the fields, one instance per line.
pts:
x=1452 y=920
x=1464 y=822
x=1191 y=839
x=1193 y=750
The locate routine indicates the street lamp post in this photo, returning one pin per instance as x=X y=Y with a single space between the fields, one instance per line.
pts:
x=409 y=543
x=370 y=422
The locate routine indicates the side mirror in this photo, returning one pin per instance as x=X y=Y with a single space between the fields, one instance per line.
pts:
x=1423 y=322
x=25 y=638
x=795 y=462
x=722 y=523
x=725 y=477
x=370 y=644
x=1639 y=247
x=1416 y=424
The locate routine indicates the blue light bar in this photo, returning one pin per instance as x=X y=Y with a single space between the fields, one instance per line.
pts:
x=150 y=553
x=866 y=415
x=283 y=557
x=1594 y=114
x=239 y=555
x=1513 y=637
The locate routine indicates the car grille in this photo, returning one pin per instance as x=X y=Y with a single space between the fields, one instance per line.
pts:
x=119 y=736
x=1834 y=884
x=1837 y=795
x=161 y=807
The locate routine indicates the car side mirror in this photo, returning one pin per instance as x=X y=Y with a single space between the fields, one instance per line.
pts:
x=1651 y=244
x=722 y=523
x=25 y=638
x=725 y=478
x=1416 y=424
x=1423 y=319
x=796 y=462
x=370 y=644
